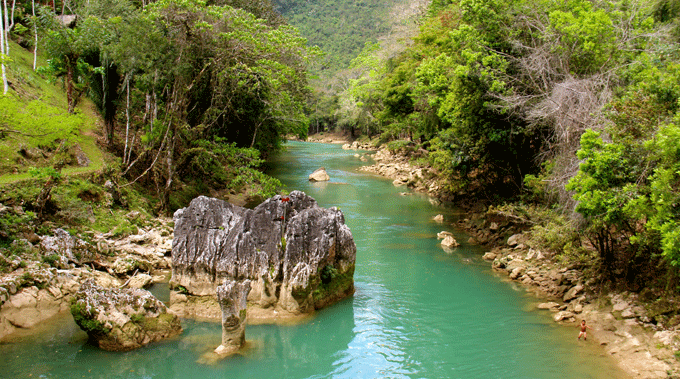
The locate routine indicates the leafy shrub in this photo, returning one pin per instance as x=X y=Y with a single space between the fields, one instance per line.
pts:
x=137 y=318
x=81 y=315
x=51 y=259
x=400 y=146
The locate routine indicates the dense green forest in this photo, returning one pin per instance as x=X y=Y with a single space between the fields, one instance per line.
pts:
x=193 y=94
x=571 y=106
x=568 y=107
x=339 y=28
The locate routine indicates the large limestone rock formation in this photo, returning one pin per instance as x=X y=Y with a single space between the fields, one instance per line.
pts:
x=299 y=256
x=122 y=319
x=232 y=297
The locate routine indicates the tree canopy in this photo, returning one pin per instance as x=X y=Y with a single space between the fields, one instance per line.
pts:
x=180 y=82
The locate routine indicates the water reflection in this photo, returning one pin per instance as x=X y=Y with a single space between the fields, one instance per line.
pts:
x=376 y=350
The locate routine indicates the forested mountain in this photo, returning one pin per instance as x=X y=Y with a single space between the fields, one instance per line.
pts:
x=339 y=28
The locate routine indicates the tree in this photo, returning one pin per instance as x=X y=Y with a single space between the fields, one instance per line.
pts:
x=3 y=51
x=220 y=73
x=65 y=45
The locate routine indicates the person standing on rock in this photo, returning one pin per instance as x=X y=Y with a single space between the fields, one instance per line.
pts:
x=583 y=327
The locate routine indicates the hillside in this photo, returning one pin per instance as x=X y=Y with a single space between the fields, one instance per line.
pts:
x=342 y=28
x=36 y=130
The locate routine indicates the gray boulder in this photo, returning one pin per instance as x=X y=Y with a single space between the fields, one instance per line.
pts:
x=298 y=256
x=122 y=319
x=64 y=248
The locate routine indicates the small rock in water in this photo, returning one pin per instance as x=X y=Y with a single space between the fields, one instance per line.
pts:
x=489 y=256
x=449 y=241
x=548 y=306
x=563 y=316
x=320 y=175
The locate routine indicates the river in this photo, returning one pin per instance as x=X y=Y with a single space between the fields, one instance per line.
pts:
x=418 y=311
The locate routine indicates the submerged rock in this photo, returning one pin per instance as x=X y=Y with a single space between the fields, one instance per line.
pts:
x=232 y=297
x=299 y=256
x=122 y=319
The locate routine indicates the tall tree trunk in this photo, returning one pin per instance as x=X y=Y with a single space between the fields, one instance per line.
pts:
x=105 y=84
x=154 y=111
x=44 y=197
x=257 y=127
x=127 y=117
x=2 y=52
x=147 y=107
x=35 y=32
x=5 y=28
x=70 y=68
x=9 y=23
x=170 y=163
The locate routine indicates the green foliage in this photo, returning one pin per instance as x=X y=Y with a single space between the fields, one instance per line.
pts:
x=328 y=274
x=340 y=29
x=586 y=35
x=557 y=233
x=12 y=224
x=124 y=229
x=665 y=191
x=400 y=145
x=332 y=284
x=51 y=259
x=606 y=191
x=34 y=132
x=82 y=315
x=625 y=186
x=45 y=173
x=137 y=318
x=182 y=290
x=261 y=84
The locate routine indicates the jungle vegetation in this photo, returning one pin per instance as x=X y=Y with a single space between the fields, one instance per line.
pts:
x=572 y=106
x=569 y=107
x=193 y=94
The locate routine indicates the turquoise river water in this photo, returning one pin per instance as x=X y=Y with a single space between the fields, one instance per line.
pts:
x=418 y=311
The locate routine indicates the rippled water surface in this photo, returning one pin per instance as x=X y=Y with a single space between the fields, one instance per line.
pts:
x=418 y=312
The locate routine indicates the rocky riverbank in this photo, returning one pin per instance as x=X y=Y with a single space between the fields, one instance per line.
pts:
x=43 y=275
x=399 y=168
x=634 y=328
x=639 y=331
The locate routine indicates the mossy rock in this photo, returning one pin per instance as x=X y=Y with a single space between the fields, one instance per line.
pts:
x=661 y=307
x=122 y=319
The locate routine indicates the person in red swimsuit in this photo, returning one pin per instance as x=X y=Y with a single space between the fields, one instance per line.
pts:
x=583 y=327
